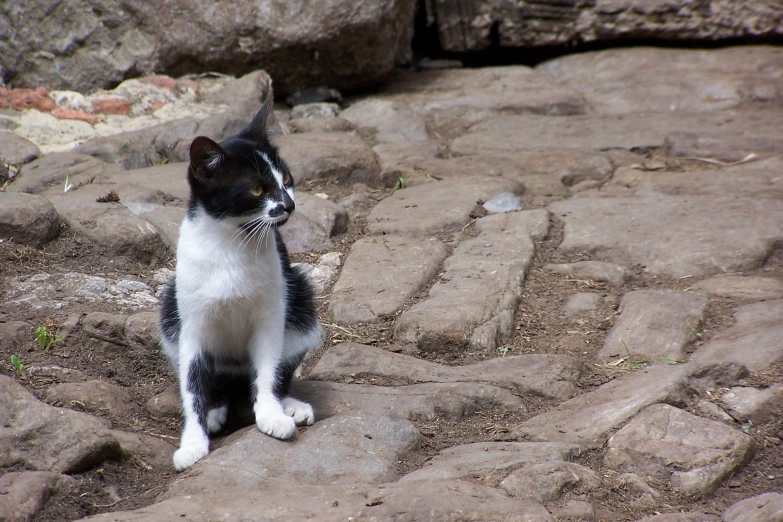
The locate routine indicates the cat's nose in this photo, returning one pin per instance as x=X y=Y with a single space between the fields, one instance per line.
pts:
x=288 y=204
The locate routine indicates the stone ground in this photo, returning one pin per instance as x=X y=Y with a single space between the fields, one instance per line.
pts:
x=551 y=293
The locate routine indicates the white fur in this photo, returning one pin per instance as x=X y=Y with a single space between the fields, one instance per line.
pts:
x=216 y=418
x=276 y=173
x=231 y=300
x=301 y=412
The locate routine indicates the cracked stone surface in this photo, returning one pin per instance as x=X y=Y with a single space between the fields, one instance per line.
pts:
x=696 y=455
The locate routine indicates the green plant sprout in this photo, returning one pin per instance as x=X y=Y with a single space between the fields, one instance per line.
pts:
x=46 y=339
x=401 y=183
x=18 y=366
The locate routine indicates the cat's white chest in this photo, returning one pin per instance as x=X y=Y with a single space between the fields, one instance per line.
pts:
x=228 y=291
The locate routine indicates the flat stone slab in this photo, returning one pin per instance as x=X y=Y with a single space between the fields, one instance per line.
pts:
x=16 y=150
x=381 y=274
x=54 y=291
x=333 y=155
x=548 y=481
x=51 y=171
x=619 y=81
x=680 y=517
x=741 y=287
x=391 y=121
x=93 y=396
x=474 y=301
x=503 y=134
x=655 y=324
x=483 y=460
x=547 y=172
x=113 y=224
x=313 y=223
x=416 y=402
x=757 y=178
x=446 y=501
x=582 y=302
x=471 y=94
x=767 y=507
x=753 y=341
x=24 y=493
x=674 y=236
x=27 y=219
x=44 y=438
x=696 y=455
x=545 y=375
x=746 y=403
x=589 y=417
x=358 y=448
x=598 y=271
x=435 y=207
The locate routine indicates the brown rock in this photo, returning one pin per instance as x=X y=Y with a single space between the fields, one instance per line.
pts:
x=150 y=451
x=490 y=460
x=695 y=454
x=41 y=437
x=24 y=493
x=588 y=417
x=474 y=302
x=757 y=406
x=546 y=375
x=437 y=501
x=675 y=236
x=381 y=274
x=549 y=481
x=761 y=508
x=358 y=448
x=655 y=324
x=417 y=402
x=105 y=326
x=27 y=219
x=141 y=330
x=331 y=155
x=753 y=341
x=434 y=207
x=313 y=223
x=52 y=169
x=166 y=403
x=741 y=287
x=303 y=125
x=92 y=396
x=14 y=334
x=591 y=270
x=16 y=150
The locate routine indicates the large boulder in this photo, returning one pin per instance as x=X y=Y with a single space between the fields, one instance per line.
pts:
x=84 y=45
x=528 y=23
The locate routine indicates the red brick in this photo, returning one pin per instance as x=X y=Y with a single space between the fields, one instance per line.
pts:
x=21 y=99
x=73 y=114
x=111 y=106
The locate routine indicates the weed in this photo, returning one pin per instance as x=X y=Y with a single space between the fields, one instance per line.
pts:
x=503 y=350
x=18 y=366
x=46 y=339
x=401 y=183
x=68 y=183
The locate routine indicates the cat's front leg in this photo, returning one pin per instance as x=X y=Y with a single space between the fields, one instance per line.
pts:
x=195 y=373
x=270 y=417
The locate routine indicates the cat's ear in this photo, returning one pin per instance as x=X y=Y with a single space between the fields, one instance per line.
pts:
x=260 y=123
x=206 y=157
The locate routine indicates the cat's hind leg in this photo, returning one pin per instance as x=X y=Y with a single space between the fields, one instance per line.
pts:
x=298 y=345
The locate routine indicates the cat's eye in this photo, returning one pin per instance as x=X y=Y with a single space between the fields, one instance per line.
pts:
x=257 y=190
x=287 y=178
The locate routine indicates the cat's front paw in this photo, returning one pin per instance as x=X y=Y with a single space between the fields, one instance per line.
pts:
x=186 y=456
x=301 y=412
x=277 y=425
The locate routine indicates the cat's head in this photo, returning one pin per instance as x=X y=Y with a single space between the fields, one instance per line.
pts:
x=243 y=178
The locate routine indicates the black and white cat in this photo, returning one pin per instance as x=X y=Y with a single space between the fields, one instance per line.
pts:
x=236 y=313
